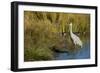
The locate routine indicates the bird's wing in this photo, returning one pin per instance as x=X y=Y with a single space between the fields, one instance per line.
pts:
x=76 y=39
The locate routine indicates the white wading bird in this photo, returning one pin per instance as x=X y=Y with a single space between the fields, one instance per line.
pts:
x=75 y=38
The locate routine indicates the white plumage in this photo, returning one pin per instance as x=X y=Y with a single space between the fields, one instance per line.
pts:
x=75 y=38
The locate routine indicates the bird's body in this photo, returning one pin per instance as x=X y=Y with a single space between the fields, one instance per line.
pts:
x=75 y=38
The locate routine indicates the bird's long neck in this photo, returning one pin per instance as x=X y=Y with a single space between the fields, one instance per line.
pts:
x=71 y=29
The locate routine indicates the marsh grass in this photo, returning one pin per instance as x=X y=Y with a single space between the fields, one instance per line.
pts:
x=36 y=54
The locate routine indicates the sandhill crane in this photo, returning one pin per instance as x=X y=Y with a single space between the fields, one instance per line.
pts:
x=75 y=38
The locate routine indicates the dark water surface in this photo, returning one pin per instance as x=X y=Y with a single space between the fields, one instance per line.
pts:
x=81 y=53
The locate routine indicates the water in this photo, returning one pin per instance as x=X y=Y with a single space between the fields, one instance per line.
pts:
x=82 y=53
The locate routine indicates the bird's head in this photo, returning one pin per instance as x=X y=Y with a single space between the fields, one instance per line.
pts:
x=70 y=24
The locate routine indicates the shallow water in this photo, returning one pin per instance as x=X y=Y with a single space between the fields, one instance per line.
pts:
x=81 y=53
